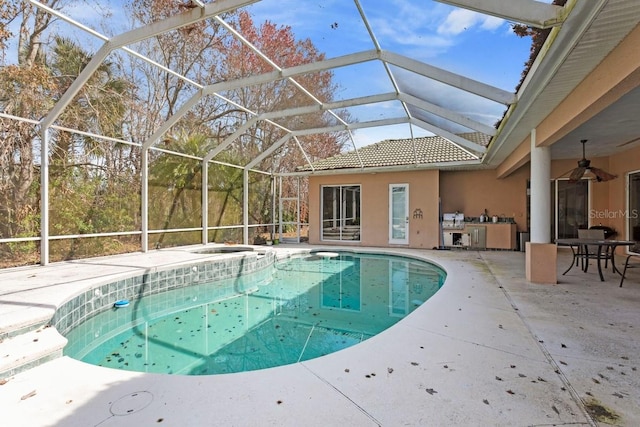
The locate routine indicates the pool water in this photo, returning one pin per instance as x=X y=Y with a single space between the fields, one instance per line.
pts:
x=299 y=309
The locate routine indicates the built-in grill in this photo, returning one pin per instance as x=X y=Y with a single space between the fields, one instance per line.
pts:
x=453 y=221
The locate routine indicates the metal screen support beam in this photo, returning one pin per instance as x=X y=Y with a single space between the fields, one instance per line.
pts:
x=452 y=79
x=273 y=205
x=266 y=153
x=298 y=208
x=245 y=206
x=44 y=197
x=130 y=37
x=224 y=144
x=144 y=200
x=280 y=209
x=529 y=12
x=77 y=84
x=311 y=67
x=462 y=143
x=447 y=114
x=205 y=202
x=172 y=120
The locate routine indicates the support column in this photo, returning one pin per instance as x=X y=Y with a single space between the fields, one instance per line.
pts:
x=541 y=254
x=272 y=217
x=245 y=206
x=144 y=200
x=205 y=202
x=44 y=197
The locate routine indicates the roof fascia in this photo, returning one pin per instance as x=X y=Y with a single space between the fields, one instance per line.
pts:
x=529 y=12
x=518 y=158
x=559 y=45
x=381 y=169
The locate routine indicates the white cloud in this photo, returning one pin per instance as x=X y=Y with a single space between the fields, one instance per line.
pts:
x=460 y=20
x=491 y=23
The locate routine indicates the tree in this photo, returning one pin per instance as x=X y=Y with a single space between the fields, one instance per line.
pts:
x=538 y=37
x=206 y=52
x=91 y=181
x=80 y=168
x=279 y=44
x=25 y=84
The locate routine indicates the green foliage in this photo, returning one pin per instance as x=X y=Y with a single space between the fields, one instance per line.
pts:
x=94 y=184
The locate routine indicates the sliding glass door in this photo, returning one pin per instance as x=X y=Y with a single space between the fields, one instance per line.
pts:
x=633 y=209
x=570 y=208
x=340 y=212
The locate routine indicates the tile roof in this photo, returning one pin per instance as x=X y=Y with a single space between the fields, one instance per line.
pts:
x=399 y=152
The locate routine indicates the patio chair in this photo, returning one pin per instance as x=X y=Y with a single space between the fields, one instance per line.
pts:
x=633 y=256
x=588 y=252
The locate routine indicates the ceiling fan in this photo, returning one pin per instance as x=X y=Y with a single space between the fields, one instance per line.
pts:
x=584 y=165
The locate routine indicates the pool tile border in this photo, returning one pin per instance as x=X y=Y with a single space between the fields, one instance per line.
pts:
x=99 y=298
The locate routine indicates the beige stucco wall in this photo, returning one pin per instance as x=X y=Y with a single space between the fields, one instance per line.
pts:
x=423 y=194
x=616 y=215
x=471 y=192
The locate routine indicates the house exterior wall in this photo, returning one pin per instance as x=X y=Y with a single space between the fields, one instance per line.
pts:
x=616 y=214
x=374 y=219
x=469 y=192
x=608 y=204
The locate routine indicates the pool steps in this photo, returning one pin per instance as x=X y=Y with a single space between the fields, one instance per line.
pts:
x=30 y=349
x=35 y=339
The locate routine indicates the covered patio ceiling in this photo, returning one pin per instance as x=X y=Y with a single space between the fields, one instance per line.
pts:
x=582 y=34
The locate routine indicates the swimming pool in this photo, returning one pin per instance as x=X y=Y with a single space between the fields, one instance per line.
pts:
x=295 y=310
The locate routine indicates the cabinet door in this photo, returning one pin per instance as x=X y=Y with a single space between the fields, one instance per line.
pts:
x=478 y=237
x=448 y=238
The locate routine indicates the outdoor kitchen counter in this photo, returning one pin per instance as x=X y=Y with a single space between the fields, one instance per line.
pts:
x=499 y=235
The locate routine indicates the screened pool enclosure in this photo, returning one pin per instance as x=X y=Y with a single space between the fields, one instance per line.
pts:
x=182 y=123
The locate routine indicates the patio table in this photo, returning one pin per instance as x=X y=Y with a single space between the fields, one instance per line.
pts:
x=609 y=244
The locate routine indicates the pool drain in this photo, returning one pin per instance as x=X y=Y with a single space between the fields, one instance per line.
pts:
x=131 y=403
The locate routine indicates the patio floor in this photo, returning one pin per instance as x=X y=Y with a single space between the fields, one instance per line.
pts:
x=487 y=349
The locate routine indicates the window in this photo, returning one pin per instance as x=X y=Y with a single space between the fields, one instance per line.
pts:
x=340 y=212
x=633 y=210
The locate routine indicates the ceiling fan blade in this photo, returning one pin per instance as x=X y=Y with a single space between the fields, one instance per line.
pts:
x=576 y=175
x=601 y=175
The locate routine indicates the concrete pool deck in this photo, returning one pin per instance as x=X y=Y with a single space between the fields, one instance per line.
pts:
x=487 y=349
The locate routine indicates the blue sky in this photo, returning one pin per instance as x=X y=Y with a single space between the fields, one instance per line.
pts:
x=465 y=42
x=473 y=45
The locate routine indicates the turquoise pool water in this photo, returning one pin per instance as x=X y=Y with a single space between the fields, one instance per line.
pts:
x=297 y=310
